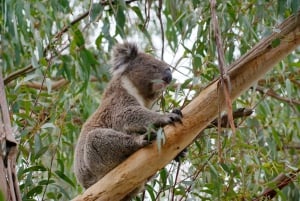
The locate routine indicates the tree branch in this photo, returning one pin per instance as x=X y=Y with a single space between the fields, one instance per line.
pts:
x=196 y=116
x=271 y=92
x=239 y=113
x=279 y=182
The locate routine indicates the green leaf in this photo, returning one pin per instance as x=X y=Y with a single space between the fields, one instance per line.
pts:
x=41 y=152
x=288 y=88
x=163 y=176
x=34 y=191
x=275 y=43
x=120 y=20
x=64 y=177
x=77 y=36
x=34 y=169
x=96 y=11
x=151 y=192
x=138 y=13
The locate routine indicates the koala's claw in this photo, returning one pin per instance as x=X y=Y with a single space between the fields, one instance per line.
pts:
x=174 y=118
x=181 y=155
x=177 y=111
x=169 y=118
x=178 y=116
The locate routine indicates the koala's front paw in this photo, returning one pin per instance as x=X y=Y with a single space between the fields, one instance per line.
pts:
x=177 y=111
x=181 y=155
x=174 y=117
x=169 y=118
x=177 y=117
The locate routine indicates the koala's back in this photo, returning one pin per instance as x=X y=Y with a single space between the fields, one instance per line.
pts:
x=100 y=123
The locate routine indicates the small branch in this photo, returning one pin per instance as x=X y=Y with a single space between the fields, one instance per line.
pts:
x=161 y=29
x=54 y=85
x=280 y=182
x=291 y=147
x=271 y=93
x=147 y=13
x=18 y=73
x=239 y=113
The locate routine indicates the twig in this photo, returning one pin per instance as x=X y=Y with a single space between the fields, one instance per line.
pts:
x=271 y=92
x=55 y=85
x=161 y=29
x=291 y=147
x=175 y=181
x=147 y=13
x=18 y=73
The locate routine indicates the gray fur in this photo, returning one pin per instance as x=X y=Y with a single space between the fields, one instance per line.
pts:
x=119 y=126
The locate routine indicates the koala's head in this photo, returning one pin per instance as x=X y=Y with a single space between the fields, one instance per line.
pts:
x=141 y=73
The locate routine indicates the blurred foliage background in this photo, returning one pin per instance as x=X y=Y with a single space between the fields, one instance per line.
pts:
x=55 y=60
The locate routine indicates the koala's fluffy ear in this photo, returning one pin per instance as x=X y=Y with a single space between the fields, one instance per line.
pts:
x=122 y=55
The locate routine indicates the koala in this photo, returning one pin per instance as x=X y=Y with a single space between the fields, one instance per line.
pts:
x=120 y=125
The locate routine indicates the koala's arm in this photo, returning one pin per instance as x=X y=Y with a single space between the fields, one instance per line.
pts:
x=138 y=119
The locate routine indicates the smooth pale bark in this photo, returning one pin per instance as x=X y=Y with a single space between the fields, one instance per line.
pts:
x=197 y=115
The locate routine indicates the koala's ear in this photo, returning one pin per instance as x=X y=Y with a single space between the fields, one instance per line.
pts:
x=122 y=55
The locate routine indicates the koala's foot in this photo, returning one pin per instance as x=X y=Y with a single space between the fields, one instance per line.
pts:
x=181 y=155
x=169 y=118
x=146 y=138
x=177 y=111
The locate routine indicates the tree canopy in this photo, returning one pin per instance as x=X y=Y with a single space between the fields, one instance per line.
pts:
x=55 y=63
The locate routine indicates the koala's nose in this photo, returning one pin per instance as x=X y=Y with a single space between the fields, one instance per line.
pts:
x=167 y=76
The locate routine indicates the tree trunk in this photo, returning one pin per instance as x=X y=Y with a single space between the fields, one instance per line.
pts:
x=197 y=115
x=9 y=187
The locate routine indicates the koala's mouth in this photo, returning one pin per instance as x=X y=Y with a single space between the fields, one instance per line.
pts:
x=159 y=85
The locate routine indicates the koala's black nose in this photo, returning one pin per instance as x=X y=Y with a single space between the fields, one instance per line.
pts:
x=167 y=75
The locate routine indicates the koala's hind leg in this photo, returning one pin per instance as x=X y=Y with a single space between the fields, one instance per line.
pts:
x=106 y=148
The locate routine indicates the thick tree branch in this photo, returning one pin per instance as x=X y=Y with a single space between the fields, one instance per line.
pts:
x=197 y=115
